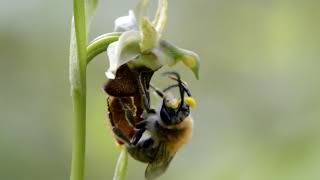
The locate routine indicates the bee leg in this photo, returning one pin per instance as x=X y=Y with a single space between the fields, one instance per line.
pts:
x=141 y=124
x=160 y=92
x=157 y=91
x=120 y=136
x=129 y=116
x=135 y=139
x=143 y=83
x=184 y=86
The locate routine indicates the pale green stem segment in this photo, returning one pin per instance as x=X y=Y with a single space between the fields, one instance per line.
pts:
x=78 y=90
x=100 y=44
x=121 y=167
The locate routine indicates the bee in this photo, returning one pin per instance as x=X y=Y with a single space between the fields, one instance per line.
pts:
x=163 y=131
x=128 y=96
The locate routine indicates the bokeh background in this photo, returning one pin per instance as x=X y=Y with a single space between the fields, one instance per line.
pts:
x=258 y=97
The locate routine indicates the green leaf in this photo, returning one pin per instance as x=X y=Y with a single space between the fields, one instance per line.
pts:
x=73 y=60
x=121 y=167
x=91 y=6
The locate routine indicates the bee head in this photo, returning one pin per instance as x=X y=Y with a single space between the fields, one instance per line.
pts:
x=175 y=110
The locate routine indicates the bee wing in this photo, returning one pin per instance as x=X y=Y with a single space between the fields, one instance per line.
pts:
x=160 y=164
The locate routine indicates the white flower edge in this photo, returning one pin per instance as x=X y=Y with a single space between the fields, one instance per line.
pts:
x=122 y=51
x=126 y=23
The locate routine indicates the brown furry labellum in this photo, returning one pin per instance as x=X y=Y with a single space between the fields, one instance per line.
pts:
x=125 y=93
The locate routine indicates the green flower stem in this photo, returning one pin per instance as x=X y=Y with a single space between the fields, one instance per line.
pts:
x=78 y=89
x=96 y=47
x=79 y=135
x=100 y=44
x=121 y=167
x=78 y=92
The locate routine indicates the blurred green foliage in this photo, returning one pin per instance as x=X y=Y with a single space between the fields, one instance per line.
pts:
x=258 y=97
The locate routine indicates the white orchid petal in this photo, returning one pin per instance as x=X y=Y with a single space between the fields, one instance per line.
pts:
x=122 y=51
x=126 y=23
x=161 y=56
x=149 y=61
x=110 y=75
x=128 y=47
x=113 y=57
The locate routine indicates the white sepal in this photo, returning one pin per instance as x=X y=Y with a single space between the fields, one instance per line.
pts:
x=126 y=23
x=122 y=51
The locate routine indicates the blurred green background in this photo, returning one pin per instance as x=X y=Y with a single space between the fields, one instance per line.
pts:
x=258 y=97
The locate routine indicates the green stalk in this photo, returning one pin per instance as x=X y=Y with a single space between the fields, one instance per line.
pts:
x=96 y=47
x=78 y=64
x=121 y=167
x=78 y=90
x=100 y=44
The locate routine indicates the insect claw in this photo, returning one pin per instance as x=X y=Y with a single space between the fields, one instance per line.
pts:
x=141 y=124
x=136 y=138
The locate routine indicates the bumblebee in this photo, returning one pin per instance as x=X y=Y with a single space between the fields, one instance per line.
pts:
x=163 y=131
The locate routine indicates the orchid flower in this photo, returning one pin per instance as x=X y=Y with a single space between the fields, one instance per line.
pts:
x=140 y=43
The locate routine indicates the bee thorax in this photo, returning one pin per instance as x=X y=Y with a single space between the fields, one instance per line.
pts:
x=175 y=136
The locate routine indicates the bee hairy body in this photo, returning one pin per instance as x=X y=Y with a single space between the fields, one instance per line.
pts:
x=175 y=136
x=162 y=142
x=171 y=137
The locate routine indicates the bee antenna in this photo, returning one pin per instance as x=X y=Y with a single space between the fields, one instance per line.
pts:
x=182 y=83
x=186 y=89
x=177 y=85
x=158 y=91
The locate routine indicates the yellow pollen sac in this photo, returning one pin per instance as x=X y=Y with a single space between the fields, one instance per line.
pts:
x=190 y=101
